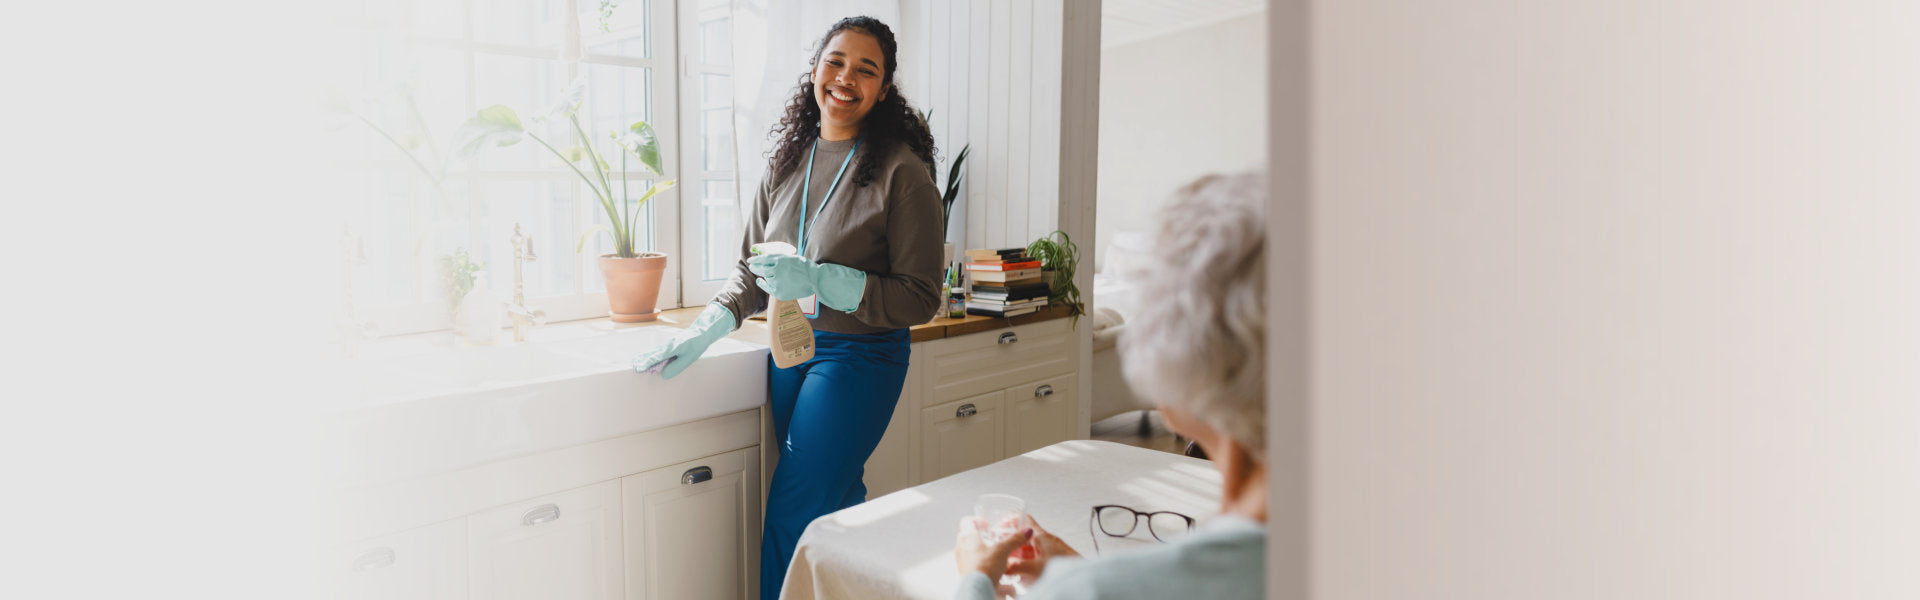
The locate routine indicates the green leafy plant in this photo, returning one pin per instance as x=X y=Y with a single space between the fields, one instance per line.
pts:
x=456 y=274
x=499 y=125
x=1059 y=257
x=395 y=116
x=954 y=176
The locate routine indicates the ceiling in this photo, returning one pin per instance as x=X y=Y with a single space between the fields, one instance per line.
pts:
x=1128 y=21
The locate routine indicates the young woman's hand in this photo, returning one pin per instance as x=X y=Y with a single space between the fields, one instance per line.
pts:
x=1029 y=561
x=972 y=555
x=789 y=277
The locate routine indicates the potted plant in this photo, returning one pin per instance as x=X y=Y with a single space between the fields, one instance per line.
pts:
x=1058 y=259
x=632 y=276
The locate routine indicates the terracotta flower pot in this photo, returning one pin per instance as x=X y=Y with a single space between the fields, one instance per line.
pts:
x=633 y=285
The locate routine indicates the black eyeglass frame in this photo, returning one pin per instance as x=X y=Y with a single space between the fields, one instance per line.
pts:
x=1093 y=523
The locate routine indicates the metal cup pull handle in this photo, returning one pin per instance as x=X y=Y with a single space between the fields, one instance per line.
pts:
x=545 y=513
x=377 y=558
x=1009 y=337
x=1043 y=391
x=966 y=410
x=696 y=475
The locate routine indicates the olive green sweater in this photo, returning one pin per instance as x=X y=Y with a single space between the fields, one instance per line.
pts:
x=889 y=228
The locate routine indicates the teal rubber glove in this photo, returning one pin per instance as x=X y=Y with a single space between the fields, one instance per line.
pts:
x=789 y=277
x=673 y=357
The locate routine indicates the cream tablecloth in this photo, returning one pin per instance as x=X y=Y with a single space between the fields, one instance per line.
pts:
x=901 y=545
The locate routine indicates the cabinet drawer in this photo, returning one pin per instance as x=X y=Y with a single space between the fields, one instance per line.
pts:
x=982 y=362
x=960 y=435
x=1040 y=413
x=991 y=338
x=429 y=563
x=566 y=545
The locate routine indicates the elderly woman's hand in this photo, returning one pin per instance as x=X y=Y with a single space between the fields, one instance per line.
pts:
x=1030 y=561
x=971 y=554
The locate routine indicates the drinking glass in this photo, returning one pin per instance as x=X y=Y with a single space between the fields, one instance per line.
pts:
x=1003 y=515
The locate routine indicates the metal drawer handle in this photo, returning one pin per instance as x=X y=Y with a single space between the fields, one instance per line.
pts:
x=1043 y=391
x=377 y=558
x=966 y=410
x=696 y=475
x=1009 y=337
x=545 y=513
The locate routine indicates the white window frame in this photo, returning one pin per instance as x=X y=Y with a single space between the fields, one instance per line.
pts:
x=678 y=220
x=693 y=227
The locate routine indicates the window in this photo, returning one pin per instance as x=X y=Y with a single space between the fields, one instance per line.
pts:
x=416 y=69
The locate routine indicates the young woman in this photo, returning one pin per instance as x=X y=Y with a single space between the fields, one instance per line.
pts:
x=850 y=186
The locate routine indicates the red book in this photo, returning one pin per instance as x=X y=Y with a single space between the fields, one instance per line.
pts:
x=1015 y=266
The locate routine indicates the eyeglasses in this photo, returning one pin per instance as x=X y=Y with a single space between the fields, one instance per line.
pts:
x=1119 y=521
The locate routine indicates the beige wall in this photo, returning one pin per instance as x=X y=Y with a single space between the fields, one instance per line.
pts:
x=1606 y=299
x=1173 y=108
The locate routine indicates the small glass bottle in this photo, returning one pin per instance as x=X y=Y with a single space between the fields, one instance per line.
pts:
x=956 y=303
x=956 y=295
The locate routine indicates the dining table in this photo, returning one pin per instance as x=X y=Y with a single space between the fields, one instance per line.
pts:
x=901 y=545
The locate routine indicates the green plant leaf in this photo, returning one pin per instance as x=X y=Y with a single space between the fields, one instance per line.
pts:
x=955 y=175
x=568 y=102
x=575 y=154
x=658 y=186
x=582 y=244
x=641 y=141
x=495 y=125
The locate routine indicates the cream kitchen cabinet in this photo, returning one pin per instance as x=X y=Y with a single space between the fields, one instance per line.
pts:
x=693 y=529
x=669 y=513
x=562 y=546
x=425 y=563
x=961 y=435
x=976 y=398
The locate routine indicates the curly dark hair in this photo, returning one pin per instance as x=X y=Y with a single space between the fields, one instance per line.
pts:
x=891 y=122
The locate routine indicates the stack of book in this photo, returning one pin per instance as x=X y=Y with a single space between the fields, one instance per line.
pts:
x=1006 y=283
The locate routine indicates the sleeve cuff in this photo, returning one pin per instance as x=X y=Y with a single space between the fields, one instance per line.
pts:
x=974 y=586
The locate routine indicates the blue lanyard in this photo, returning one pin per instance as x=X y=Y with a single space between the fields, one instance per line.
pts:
x=806 y=187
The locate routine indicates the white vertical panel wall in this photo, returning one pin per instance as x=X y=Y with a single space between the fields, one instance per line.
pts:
x=990 y=72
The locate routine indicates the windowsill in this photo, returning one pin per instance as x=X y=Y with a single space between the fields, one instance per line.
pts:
x=415 y=344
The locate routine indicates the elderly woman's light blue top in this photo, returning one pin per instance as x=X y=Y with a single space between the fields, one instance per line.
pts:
x=1225 y=558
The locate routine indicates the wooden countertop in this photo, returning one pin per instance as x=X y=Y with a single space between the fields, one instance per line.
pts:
x=941 y=327
x=755 y=329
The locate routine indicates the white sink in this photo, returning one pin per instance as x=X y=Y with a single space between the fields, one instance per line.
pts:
x=429 y=410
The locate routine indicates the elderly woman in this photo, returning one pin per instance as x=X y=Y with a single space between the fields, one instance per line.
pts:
x=1200 y=355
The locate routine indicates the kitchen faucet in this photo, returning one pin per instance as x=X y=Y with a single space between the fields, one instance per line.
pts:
x=352 y=329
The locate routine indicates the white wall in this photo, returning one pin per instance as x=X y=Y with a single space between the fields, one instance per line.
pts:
x=991 y=72
x=1605 y=299
x=1173 y=108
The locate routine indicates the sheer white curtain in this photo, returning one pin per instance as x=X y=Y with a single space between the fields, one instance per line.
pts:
x=772 y=41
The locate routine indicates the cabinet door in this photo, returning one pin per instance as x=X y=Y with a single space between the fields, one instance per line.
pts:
x=890 y=469
x=566 y=545
x=960 y=435
x=1040 y=414
x=693 y=529
x=428 y=563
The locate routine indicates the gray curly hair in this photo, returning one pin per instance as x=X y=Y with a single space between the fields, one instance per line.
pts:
x=1200 y=342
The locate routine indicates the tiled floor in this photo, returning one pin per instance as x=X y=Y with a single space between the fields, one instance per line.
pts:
x=1125 y=429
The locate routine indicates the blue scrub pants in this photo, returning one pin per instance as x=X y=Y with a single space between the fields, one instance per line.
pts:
x=828 y=415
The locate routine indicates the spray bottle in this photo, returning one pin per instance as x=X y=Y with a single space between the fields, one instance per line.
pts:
x=791 y=336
